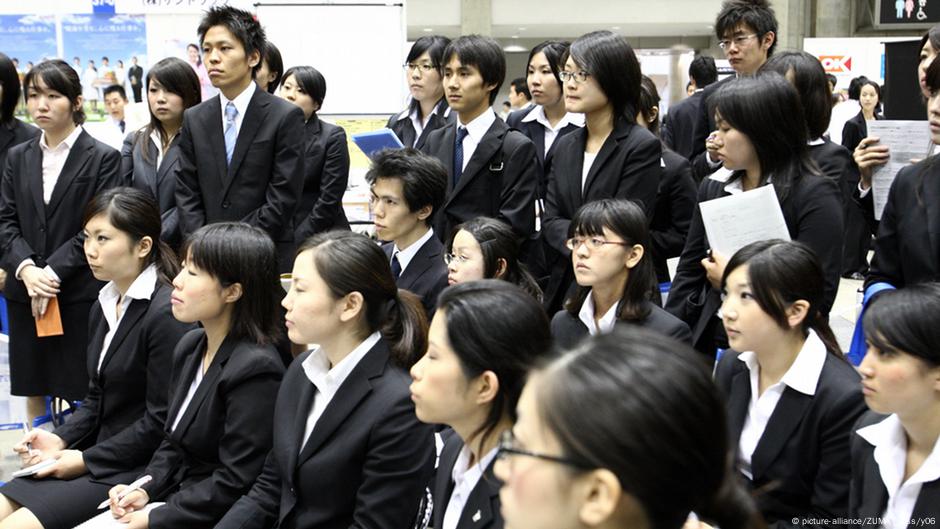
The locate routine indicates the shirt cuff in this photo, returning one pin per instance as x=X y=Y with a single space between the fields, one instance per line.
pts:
x=862 y=193
x=24 y=264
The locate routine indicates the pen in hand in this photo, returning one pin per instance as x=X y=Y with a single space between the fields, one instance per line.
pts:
x=29 y=445
x=136 y=485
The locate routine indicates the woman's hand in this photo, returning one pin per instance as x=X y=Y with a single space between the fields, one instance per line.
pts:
x=69 y=464
x=133 y=502
x=868 y=155
x=44 y=445
x=715 y=268
x=138 y=520
x=38 y=282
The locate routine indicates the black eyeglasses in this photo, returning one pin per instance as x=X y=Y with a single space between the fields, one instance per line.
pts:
x=507 y=447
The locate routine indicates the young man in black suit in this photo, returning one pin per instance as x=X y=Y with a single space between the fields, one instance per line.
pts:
x=407 y=188
x=136 y=77
x=241 y=152
x=677 y=125
x=492 y=170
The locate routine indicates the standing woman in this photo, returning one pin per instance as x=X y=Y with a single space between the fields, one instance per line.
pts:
x=610 y=157
x=615 y=275
x=150 y=157
x=12 y=131
x=869 y=98
x=792 y=397
x=756 y=155
x=470 y=380
x=326 y=157
x=46 y=184
x=427 y=109
x=348 y=449
x=133 y=333
x=896 y=459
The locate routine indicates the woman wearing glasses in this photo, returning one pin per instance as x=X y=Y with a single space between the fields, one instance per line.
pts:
x=613 y=266
x=485 y=248
x=611 y=157
x=470 y=380
x=427 y=109
x=569 y=463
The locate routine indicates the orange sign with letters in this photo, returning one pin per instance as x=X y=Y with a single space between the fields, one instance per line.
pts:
x=836 y=63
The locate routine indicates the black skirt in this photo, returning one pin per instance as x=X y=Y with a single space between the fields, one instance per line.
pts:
x=58 y=504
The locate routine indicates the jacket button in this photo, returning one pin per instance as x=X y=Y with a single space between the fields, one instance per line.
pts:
x=225 y=205
x=42 y=229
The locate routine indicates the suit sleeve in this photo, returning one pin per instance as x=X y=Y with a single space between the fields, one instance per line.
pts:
x=85 y=419
x=557 y=221
x=819 y=226
x=127 y=161
x=519 y=186
x=886 y=263
x=851 y=136
x=333 y=183
x=640 y=174
x=13 y=245
x=191 y=211
x=701 y=125
x=682 y=200
x=685 y=299
x=260 y=507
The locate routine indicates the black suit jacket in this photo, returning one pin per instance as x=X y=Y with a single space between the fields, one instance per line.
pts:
x=679 y=124
x=535 y=131
x=813 y=213
x=567 y=329
x=366 y=463
x=868 y=497
x=675 y=201
x=801 y=465
x=426 y=275
x=481 y=511
x=855 y=130
x=405 y=130
x=143 y=173
x=51 y=234
x=135 y=72
x=217 y=450
x=907 y=249
x=704 y=122
x=627 y=166
x=125 y=408
x=326 y=173
x=264 y=179
x=500 y=180
x=14 y=133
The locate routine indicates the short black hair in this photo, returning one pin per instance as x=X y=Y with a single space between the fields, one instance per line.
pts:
x=703 y=71
x=855 y=86
x=105 y=59
x=483 y=53
x=498 y=242
x=241 y=24
x=310 y=80
x=833 y=80
x=423 y=177
x=809 y=79
x=907 y=320
x=610 y=60
x=521 y=87
x=649 y=99
x=272 y=56
x=554 y=51
x=756 y=14
x=115 y=88
x=434 y=45
x=57 y=75
x=10 y=82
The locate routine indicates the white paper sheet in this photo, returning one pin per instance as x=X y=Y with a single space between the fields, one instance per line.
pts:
x=907 y=140
x=734 y=221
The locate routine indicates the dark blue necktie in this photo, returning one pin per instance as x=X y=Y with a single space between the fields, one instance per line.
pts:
x=396 y=266
x=458 y=153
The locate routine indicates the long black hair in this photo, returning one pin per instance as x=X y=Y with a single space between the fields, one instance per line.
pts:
x=610 y=60
x=811 y=83
x=554 y=51
x=271 y=55
x=907 y=320
x=175 y=76
x=10 y=82
x=499 y=243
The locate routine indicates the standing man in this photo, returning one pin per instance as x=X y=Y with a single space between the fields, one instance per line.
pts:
x=678 y=124
x=241 y=152
x=136 y=77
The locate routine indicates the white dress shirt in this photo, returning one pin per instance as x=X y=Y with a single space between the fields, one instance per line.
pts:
x=417 y=122
x=327 y=380
x=109 y=297
x=465 y=478
x=405 y=256
x=551 y=133
x=586 y=315
x=241 y=105
x=803 y=376
x=890 y=442
x=197 y=379
x=158 y=142
x=589 y=158
x=476 y=129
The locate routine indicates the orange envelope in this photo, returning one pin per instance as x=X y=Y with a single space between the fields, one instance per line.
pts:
x=50 y=324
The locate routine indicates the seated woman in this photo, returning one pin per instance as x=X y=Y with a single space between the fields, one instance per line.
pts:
x=792 y=397
x=133 y=334
x=475 y=345
x=624 y=431
x=485 y=248
x=224 y=379
x=614 y=271
x=348 y=449
x=896 y=459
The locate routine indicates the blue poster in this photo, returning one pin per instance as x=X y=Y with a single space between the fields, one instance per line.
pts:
x=29 y=38
x=93 y=36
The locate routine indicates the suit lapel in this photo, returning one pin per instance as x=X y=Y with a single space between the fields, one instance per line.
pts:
x=478 y=511
x=446 y=156
x=96 y=341
x=443 y=482
x=738 y=400
x=420 y=263
x=135 y=312
x=208 y=383
x=932 y=207
x=79 y=155
x=187 y=374
x=621 y=131
x=874 y=496
x=479 y=161
x=574 y=165
x=169 y=161
x=786 y=417
x=212 y=126
x=254 y=116
x=299 y=425
x=928 y=501
x=33 y=159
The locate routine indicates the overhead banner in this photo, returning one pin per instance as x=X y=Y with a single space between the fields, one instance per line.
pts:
x=93 y=36
x=28 y=38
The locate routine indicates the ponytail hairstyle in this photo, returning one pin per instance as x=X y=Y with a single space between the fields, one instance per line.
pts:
x=611 y=61
x=485 y=320
x=499 y=243
x=627 y=220
x=675 y=457
x=351 y=262
x=780 y=273
x=136 y=213
x=907 y=320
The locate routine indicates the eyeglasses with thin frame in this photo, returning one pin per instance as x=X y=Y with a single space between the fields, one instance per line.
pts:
x=593 y=243
x=507 y=447
x=738 y=41
x=423 y=68
x=455 y=258
x=579 y=77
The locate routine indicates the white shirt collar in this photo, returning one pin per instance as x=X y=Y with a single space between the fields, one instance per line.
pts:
x=890 y=442
x=328 y=380
x=817 y=141
x=586 y=315
x=538 y=114
x=66 y=144
x=463 y=471
x=723 y=174
x=241 y=100
x=804 y=373
x=478 y=127
x=405 y=256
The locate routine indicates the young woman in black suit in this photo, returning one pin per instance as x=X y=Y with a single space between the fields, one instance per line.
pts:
x=470 y=380
x=150 y=156
x=792 y=397
x=611 y=157
x=46 y=184
x=869 y=98
x=624 y=431
x=896 y=458
x=326 y=157
x=755 y=155
x=133 y=334
x=427 y=107
x=348 y=449
x=224 y=380
x=12 y=131
x=615 y=275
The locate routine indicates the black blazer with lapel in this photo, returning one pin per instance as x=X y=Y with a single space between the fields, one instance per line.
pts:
x=262 y=183
x=535 y=131
x=142 y=173
x=627 y=166
x=366 y=463
x=51 y=234
x=567 y=328
x=704 y=122
x=500 y=180
x=402 y=126
x=326 y=173
x=907 y=249
x=868 y=497
x=801 y=465
x=481 y=511
x=125 y=408
x=679 y=123
x=426 y=275
x=217 y=450
x=855 y=130
x=14 y=133
x=813 y=213
x=675 y=201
